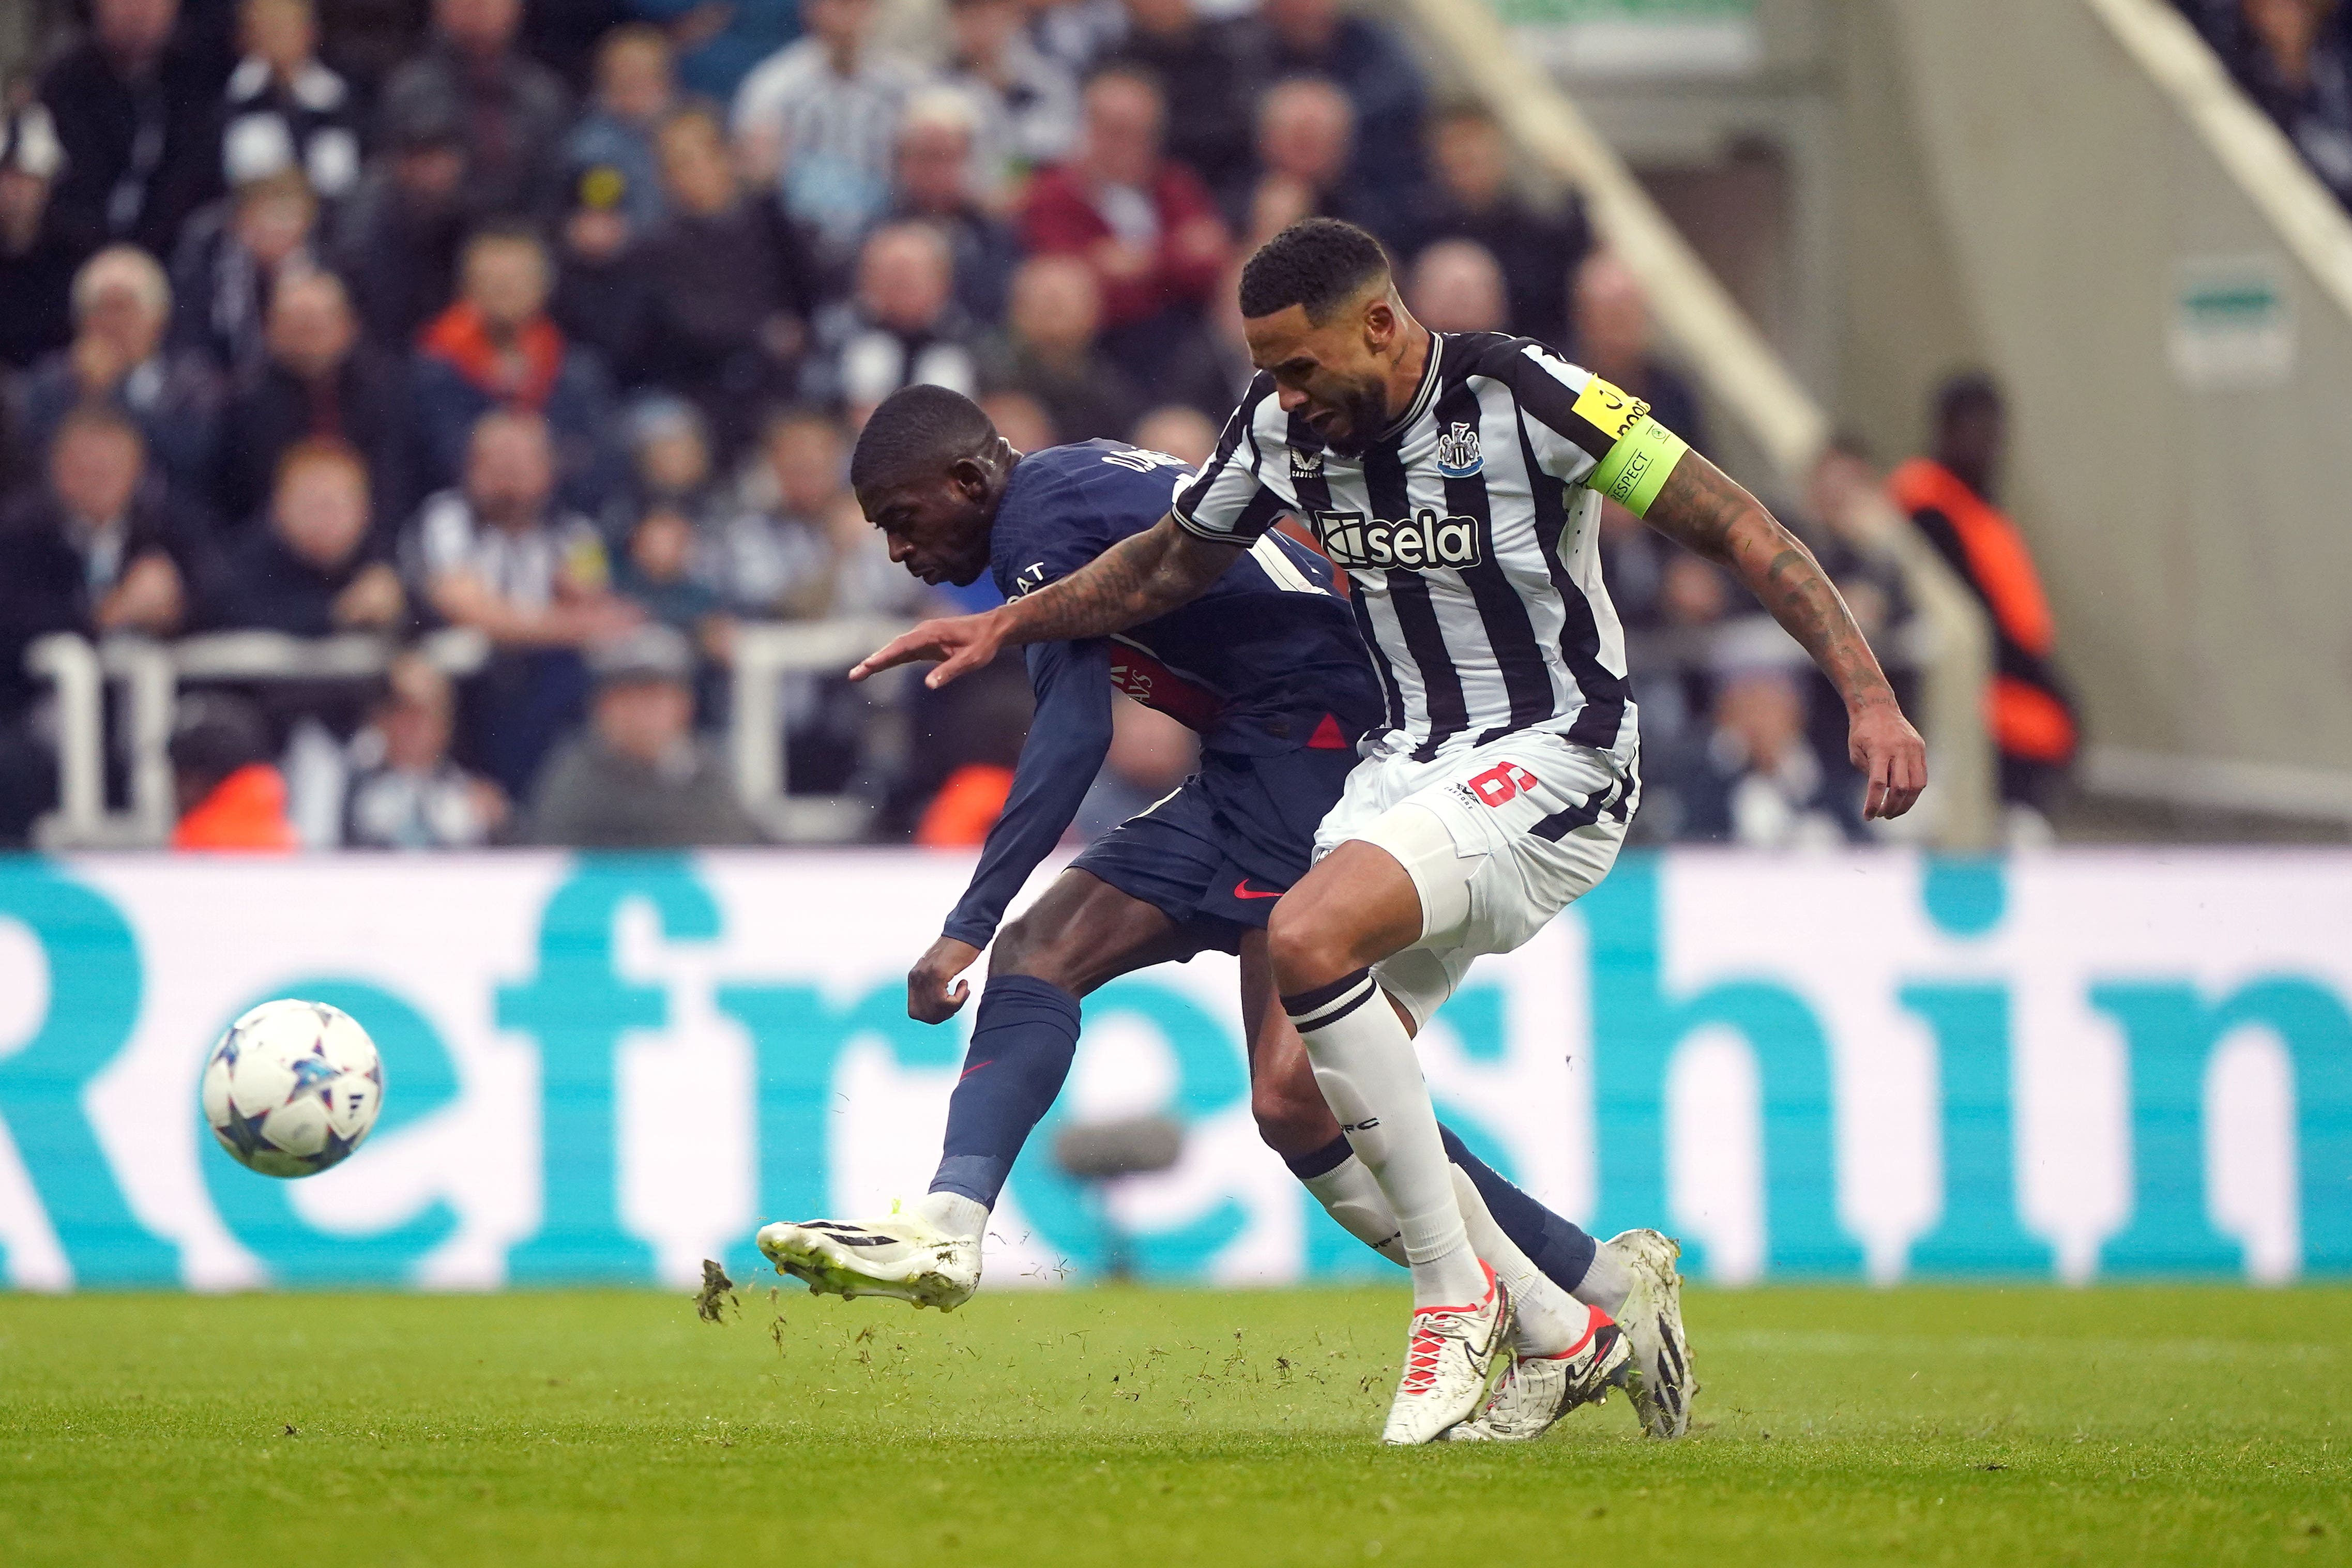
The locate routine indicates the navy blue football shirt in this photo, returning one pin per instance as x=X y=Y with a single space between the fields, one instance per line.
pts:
x=1266 y=661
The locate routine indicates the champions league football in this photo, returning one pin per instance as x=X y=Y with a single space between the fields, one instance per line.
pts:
x=292 y=1088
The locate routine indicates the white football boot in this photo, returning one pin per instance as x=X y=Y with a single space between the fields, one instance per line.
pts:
x=1538 y=1390
x=1663 y=1384
x=905 y=1257
x=1450 y=1361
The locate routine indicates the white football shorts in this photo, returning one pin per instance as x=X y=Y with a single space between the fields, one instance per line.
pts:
x=1497 y=838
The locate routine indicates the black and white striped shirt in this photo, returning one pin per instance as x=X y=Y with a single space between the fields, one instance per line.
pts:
x=1468 y=532
x=838 y=133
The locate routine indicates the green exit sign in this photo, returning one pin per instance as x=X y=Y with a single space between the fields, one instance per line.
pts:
x=1619 y=38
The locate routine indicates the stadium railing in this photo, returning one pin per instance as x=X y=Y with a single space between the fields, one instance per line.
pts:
x=148 y=675
x=766 y=655
x=1742 y=374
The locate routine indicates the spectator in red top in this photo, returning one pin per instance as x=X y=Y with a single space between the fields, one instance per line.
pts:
x=1145 y=223
x=498 y=348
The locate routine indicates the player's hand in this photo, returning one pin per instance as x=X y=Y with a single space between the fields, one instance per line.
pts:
x=960 y=642
x=934 y=994
x=1888 y=752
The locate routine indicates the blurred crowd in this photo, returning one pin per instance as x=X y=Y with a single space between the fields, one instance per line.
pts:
x=553 y=324
x=2293 y=58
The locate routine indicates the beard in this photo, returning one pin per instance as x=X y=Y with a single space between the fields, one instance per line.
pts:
x=1365 y=409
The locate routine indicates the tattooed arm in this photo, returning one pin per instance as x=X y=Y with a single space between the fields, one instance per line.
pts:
x=1143 y=576
x=1705 y=512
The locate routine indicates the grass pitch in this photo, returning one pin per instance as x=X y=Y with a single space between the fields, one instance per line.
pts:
x=1158 y=1428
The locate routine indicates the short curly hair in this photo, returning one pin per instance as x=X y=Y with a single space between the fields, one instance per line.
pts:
x=1317 y=263
x=917 y=430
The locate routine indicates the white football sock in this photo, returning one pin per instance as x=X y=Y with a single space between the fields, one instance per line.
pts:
x=1607 y=1283
x=1350 y=1195
x=1364 y=1063
x=953 y=1213
x=1549 y=1320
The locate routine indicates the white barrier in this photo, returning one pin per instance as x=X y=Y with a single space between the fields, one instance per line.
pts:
x=151 y=672
x=1873 y=1065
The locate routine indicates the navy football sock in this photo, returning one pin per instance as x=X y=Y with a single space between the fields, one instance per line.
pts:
x=1350 y=1194
x=1330 y=1157
x=1561 y=1250
x=1026 y=1037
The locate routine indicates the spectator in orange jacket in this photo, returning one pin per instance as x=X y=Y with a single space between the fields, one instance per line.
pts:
x=1951 y=498
x=496 y=347
x=230 y=796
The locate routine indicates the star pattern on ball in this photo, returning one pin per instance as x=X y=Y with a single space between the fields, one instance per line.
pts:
x=242 y=1133
x=314 y=1075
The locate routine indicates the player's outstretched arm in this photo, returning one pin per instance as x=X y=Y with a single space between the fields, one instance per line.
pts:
x=1068 y=738
x=1703 y=510
x=1136 y=579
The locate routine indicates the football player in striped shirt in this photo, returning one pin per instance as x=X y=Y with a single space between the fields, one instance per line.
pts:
x=1458 y=480
x=1268 y=668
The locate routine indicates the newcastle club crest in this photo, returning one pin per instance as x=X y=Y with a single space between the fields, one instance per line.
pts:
x=1458 y=456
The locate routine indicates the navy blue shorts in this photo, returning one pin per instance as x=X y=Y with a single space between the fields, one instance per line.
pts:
x=1216 y=855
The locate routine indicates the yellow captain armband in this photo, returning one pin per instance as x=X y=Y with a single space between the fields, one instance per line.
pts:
x=1638 y=466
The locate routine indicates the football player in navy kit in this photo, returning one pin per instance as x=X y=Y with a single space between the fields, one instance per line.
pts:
x=1266 y=666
